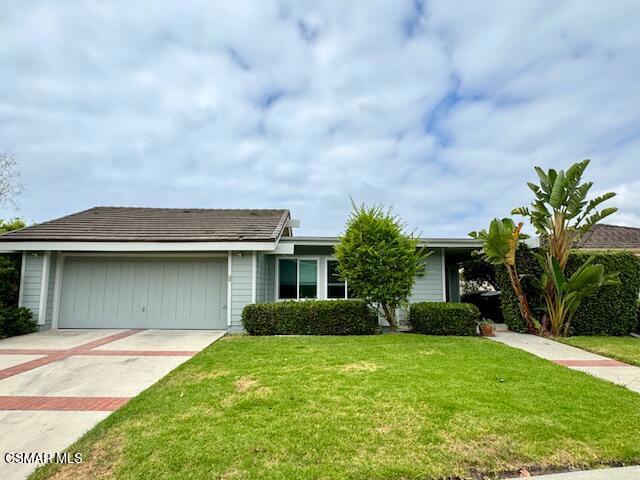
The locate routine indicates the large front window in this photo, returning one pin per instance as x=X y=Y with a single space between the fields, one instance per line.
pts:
x=297 y=278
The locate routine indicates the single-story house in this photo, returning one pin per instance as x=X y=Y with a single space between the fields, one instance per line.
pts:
x=118 y=267
x=611 y=237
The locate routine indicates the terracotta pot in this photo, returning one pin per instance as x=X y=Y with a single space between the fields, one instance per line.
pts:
x=486 y=330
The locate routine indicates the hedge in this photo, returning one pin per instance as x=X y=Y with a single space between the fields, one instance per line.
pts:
x=14 y=320
x=310 y=317
x=611 y=310
x=444 y=318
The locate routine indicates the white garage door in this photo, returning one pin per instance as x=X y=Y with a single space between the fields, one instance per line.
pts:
x=145 y=292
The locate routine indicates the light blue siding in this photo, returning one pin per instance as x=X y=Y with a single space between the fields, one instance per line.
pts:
x=34 y=263
x=429 y=287
x=241 y=268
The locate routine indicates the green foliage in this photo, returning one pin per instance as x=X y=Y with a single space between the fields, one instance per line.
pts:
x=13 y=320
x=478 y=272
x=561 y=192
x=611 y=310
x=378 y=260
x=11 y=224
x=310 y=317
x=9 y=279
x=16 y=321
x=444 y=318
x=570 y=292
x=500 y=242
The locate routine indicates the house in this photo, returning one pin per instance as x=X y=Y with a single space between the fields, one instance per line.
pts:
x=611 y=237
x=117 y=267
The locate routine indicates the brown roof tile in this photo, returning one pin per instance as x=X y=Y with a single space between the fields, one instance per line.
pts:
x=611 y=236
x=125 y=224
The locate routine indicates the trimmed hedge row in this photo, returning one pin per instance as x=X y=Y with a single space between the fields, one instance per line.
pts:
x=310 y=317
x=443 y=318
x=611 y=310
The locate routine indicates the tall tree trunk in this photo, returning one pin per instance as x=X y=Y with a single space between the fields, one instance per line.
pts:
x=523 y=303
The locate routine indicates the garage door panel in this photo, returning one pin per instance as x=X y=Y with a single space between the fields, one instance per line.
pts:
x=103 y=292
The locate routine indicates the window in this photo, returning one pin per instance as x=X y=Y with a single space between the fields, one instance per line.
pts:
x=297 y=278
x=336 y=288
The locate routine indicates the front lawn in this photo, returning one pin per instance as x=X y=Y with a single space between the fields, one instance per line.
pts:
x=376 y=407
x=625 y=349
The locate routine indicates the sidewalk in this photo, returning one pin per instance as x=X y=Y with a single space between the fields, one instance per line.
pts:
x=620 y=473
x=572 y=357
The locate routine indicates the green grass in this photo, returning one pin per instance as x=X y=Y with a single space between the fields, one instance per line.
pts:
x=625 y=349
x=378 y=407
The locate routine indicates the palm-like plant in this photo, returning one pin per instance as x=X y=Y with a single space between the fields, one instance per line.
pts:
x=570 y=292
x=561 y=214
x=499 y=246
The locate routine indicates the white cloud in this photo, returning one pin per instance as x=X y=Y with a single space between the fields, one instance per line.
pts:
x=439 y=110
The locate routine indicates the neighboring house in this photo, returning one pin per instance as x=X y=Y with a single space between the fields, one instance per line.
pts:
x=611 y=237
x=116 y=267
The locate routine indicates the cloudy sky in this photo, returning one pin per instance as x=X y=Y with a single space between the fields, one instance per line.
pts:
x=438 y=110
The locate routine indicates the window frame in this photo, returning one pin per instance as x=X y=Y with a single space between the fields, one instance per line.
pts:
x=326 y=281
x=297 y=258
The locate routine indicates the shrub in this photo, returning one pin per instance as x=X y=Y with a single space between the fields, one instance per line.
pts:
x=443 y=318
x=611 y=310
x=16 y=321
x=310 y=317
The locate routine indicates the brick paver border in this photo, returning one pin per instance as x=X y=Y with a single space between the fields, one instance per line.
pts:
x=56 y=355
x=73 y=404
x=63 y=404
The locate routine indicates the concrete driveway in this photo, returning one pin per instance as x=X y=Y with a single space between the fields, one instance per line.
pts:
x=56 y=385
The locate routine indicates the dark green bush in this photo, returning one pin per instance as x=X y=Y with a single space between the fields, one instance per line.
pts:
x=16 y=321
x=611 y=310
x=444 y=318
x=13 y=320
x=310 y=317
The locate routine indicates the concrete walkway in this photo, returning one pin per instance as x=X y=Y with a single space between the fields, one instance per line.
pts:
x=621 y=473
x=572 y=357
x=56 y=385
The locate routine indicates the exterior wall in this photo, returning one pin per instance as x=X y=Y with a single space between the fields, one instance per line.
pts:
x=32 y=283
x=241 y=277
x=429 y=287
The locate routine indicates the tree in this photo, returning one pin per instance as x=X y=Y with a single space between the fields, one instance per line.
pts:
x=378 y=260
x=11 y=224
x=561 y=215
x=499 y=246
x=10 y=186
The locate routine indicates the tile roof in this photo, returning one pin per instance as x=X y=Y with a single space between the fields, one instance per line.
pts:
x=126 y=224
x=611 y=236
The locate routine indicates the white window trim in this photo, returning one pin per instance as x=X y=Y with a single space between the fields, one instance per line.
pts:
x=297 y=258
x=326 y=280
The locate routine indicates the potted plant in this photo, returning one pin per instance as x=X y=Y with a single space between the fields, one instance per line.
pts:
x=486 y=328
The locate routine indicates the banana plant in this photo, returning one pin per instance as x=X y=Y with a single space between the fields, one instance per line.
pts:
x=499 y=246
x=561 y=213
x=569 y=293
